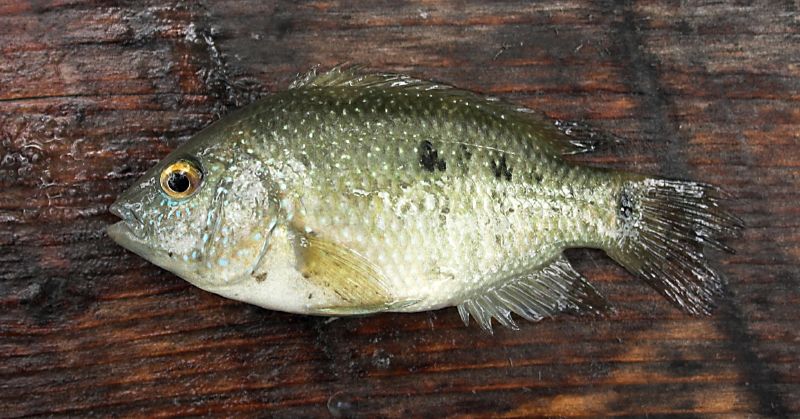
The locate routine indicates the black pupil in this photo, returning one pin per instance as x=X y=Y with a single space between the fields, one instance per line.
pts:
x=178 y=182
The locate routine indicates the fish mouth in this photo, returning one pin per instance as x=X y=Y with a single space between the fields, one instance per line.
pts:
x=131 y=224
x=129 y=233
x=121 y=234
x=124 y=233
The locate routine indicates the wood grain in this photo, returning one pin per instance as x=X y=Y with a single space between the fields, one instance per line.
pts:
x=94 y=92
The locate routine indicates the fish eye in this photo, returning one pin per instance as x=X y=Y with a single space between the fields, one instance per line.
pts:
x=181 y=179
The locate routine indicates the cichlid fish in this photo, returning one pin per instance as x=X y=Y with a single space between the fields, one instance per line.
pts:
x=355 y=193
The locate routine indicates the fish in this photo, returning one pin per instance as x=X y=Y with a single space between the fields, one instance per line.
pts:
x=355 y=192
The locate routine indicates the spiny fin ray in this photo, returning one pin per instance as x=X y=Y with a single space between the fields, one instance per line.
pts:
x=583 y=138
x=665 y=226
x=562 y=137
x=549 y=290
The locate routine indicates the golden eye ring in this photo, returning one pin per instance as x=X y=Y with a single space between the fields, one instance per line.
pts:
x=181 y=179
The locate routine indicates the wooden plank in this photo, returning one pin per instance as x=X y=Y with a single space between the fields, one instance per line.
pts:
x=92 y=93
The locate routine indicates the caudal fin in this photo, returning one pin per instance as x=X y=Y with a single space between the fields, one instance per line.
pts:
x=664 y=227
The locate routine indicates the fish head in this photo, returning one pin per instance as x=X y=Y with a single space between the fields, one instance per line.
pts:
x=203 y=213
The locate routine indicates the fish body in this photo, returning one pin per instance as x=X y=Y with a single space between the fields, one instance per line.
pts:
x=355 y=193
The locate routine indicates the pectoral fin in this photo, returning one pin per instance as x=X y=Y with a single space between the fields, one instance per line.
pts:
x=358 y=282
x=544 y=292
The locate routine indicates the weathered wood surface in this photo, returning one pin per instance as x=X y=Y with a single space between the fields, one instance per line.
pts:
x=94 y=92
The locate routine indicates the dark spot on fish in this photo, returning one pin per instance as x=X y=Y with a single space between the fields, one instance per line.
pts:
x=501 y=169
x=429 y=157
x=538 y=178
x=626 y=205
x=465 y=152
x=443 y=214
x=303 y=157
x=169 y=254
x=310 y=295
x=261 y=277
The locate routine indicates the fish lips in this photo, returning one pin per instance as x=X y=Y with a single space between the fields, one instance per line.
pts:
x=128 y=233
x=129 y=218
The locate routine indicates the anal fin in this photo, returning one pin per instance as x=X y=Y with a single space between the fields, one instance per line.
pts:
x=551 y=289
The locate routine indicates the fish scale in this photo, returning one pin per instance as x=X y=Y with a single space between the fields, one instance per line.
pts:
x=514 y=224
x=355 y=193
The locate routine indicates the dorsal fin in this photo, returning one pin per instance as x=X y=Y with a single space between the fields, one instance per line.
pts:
x=355 y=76
x=549 y=290
x=583 y=138
x=562 y=137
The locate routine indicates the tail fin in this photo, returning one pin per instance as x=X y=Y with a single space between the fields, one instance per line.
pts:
x=665 y=226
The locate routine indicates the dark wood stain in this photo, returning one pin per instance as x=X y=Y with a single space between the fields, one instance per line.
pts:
x=92 y=95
